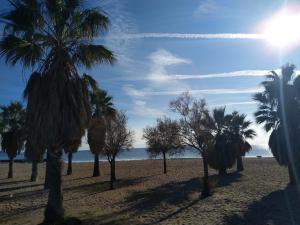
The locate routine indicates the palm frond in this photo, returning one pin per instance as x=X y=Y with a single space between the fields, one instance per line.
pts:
x=89 y=54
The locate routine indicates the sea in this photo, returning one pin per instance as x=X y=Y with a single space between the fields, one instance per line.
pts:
x=141 y=154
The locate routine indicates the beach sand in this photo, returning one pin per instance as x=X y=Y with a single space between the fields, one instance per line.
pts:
x=143 y=195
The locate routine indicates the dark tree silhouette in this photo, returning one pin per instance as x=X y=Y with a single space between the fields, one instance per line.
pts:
x=32 y=156
x=240 y=131
x=278 y=110
x=54 y=37
x=196 y=129
x=70 y=150
x=222 y=156
x=164 y=138
x=12 y=131
x=118 y=138
x=102 y=108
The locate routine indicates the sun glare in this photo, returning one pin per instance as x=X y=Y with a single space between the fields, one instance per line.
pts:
x=283 y=30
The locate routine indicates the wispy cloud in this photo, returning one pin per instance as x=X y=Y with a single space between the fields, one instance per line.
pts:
x=192 y=36
x=141 y=109
x=217 y=91
x=240 y=73
x=159 y=61
x=234 y=103
x=168 y=76
x=205 y=7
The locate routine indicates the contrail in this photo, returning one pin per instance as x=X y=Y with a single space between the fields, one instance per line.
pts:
x=191 y=36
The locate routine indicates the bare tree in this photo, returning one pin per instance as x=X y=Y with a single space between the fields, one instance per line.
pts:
x=164 y=138
x=196 y=129
x=118 y=137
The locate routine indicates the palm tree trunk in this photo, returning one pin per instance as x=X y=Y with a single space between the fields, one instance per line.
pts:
x=70 y=156
x=54 y=209
x=112 y=173
x=10 y=167
x=165 y=163
x=47 y=181
x=239 y=163
x=205 y=192
x=96 y=172
x=34 y=171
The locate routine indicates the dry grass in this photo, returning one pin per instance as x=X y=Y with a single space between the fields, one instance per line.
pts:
x=144 y=195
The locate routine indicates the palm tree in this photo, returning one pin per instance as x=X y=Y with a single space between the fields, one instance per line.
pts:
x=12 y=132
x=54 y=37
x=222 y=156
x=70 y=150
x=32 y=156
x=240 y=131
x=102 y=107
x=278 y=110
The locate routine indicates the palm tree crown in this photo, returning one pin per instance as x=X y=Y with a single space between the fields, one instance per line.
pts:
x=13 y=132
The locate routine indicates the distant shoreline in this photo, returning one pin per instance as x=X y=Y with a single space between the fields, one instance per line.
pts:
x=128 y=160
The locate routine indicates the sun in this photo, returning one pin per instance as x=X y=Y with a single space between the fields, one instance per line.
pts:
x=283 y=30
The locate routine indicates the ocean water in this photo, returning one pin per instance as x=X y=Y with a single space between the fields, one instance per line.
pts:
x=141 y=154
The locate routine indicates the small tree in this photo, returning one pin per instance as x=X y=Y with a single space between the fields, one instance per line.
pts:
x=70 y=150
x=13 y=132
x=196 y=129
x=118 y=137
x=164 y=138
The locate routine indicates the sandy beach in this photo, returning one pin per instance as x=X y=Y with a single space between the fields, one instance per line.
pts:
x=144 y=195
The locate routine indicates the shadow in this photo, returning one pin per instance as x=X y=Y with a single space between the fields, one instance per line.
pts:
x=104 y=185
x=19 y=187
x=227 y=179
x=13 y=182
x=171 y=193
x=109 y=219
x=278 y=208
x=23 y=195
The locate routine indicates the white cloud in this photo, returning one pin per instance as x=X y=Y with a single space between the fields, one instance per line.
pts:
x=261 y=139
x=206 y=7
x=160 y=60
x=139 y=142
x=129 y=90
x=164 y=58
x=140 y=108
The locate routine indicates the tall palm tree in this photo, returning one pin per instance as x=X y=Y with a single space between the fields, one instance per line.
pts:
x=13 y=131
x=54 y=37
x=278 y=110
x=222 y=156
x=240 y=131
x=102 y=107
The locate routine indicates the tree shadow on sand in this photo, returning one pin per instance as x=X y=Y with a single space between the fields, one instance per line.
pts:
x=226 y=180
x=278 y=208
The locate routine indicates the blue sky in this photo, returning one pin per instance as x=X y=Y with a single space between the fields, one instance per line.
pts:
x=154 y=66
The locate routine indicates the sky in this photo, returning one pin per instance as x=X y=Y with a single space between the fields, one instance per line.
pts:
x=208 y=47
